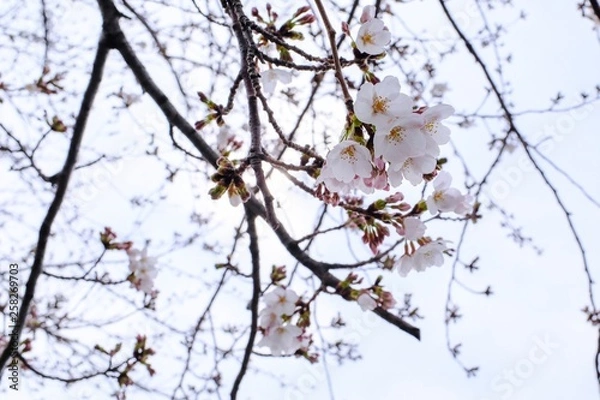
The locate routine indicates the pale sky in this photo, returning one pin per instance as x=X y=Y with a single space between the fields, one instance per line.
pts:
x=530 y=339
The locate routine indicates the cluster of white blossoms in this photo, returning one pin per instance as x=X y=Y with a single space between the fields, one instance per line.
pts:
x=403 y=144
x=280 y=335
x=406 y=141
x=143 y=269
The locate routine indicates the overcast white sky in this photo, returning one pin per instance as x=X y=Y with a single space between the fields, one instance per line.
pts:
x=530 y=339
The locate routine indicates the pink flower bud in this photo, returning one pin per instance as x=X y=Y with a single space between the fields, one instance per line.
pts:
x=345 y=28
x=396 y=197
x=301 y=10
x=404 y=207
x=307 y=19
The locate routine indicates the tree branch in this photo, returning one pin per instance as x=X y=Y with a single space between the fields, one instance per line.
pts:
x=255 y=255
x=320 y=269
x=61 y=189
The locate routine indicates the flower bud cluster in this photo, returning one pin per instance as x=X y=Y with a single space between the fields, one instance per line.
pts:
x=229 y=179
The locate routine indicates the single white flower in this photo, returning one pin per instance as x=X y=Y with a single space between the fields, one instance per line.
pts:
x=381 y=103
x=445 y=198
x=331 y=182
x=271 y=76
x=282 y=339
x=366 y=302
x=428 y=255
x=281 y=301
x=465 y=206
x=405 y=265
x=144 y=278
x=349 y=159
x=401 y=141
x=412 y=169
x=414 y=228
x=373 y=36
x=143 y=268
x=140 y=259
x=433 y=125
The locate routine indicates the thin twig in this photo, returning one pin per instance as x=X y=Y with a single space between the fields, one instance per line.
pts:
x=61 y=189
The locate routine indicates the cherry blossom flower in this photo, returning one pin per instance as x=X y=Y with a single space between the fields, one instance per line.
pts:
x=281 y=301
x=412 y=169
x=349 y=159
x=372 y=37
x=140 y=259
x=269 y=319
x=402 y=140
x=428 y=255
x=412 y=228
x=331 y=182
x=143 y=268
x=433 y=126
x=272 y=76
x=144 y=279
x=282 y=340
x=381 y=103
x=444 y=198
x=431 y=147
x=465 y=206
x=366 y=302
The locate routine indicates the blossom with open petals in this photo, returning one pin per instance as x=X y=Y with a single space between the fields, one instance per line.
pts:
x=372 y=37
x=269 y=319
x=282 y=339
x=445 y=198
x=402 y=140
x=433 y=126
x=347 y=160
x=143 y=268
x=333 y=184
x=281 y=301
x=412 y=169
x=382 y=103
x=428 y=255
x=412 y=228
x=272 y=76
